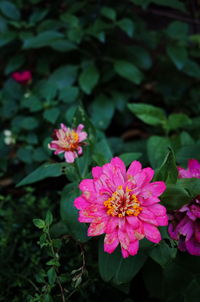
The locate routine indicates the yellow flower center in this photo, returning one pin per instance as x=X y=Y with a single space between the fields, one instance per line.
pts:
x=69 y=140
x=123 y=203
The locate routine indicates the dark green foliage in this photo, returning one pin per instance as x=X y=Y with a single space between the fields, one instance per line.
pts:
x=129 y=71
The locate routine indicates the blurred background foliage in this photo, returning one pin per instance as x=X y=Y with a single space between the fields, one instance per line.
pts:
x=134 y=67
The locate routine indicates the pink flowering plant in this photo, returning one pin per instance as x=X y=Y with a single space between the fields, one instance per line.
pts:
x=145 y=217
x=69 y=141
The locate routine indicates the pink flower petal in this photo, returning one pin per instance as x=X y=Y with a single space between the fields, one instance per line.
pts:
x=133 y=221
x=193 y=164
x=147 y=216
x=96 y=172
x=70 y=156
x=112 y=224
x=125 y=253
x=133 y=248
x=96 y=229
x=110 y=242
x=81 y=203
x=162 y=220
x=157 y=209
x=87 y=185
x=151 y=233
x=134 y=168
x=149 y=174
x=116 y=161
x=153 y=189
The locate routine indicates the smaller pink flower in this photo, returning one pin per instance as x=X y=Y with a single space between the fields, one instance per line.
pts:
x=69 y=141
x=22 y=77
x=185 y=223
x=193 y=170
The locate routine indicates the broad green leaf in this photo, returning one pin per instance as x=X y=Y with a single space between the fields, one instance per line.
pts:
x=69 y=213
x=39 y=223
x=192 y=69
x=127 y=26
x=44 y=171
x=178 y=55
x=25 y=154
x=192 y=185
x=46 y=38
x=168 y=171
x=109 y=13
x=175 y=197
x=7 y=37
x=149 y=114
x=29 y=123
x=128 y=71
x=64 y=76
x=14 y=63
x=113 y=267
x=63 y=45
x=187 y=152
x=89 y=78
x=51 y=273
x=10 y=10
x=163 y=253
x=178 y=120
x=69 y=94
x=175 y=4
x=129 y=157
x=49 y=218
x=102 y=152
x=51 y=114
x=157 y=148
x=102 y=110
x=178 y=30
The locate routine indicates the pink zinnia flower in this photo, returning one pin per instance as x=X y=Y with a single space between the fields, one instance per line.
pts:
x=123 y=205
x=22 y=77
x=185 y=222
x=69 y=141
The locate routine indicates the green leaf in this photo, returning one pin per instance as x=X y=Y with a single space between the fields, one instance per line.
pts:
x=128 y=71
x=113 y=267
x=63 y=77
x=49 y=218
x=178 y=55
x=175 y=196
x=46 y=38
x=157 y=148
x=192 y=185
x=168 y=171
x=149 y=114
x=7 y=37
x=102 y=148
x=127 y=26
x=102 y=110
x=29 y=123
x=39 y=223
x=44 y=171
x=69 y=94
x=89 y=78
x=129 y=157
x=63 y=45
x=51 y=114
x=178 y=120
x=51 y=273
x=192 y=69
x=69 y=213
x=163 y=253
x=178 y=30
x=25 y=154
x=109 y=13
x=9 y=10
x=186 y=152
x=14 y=63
